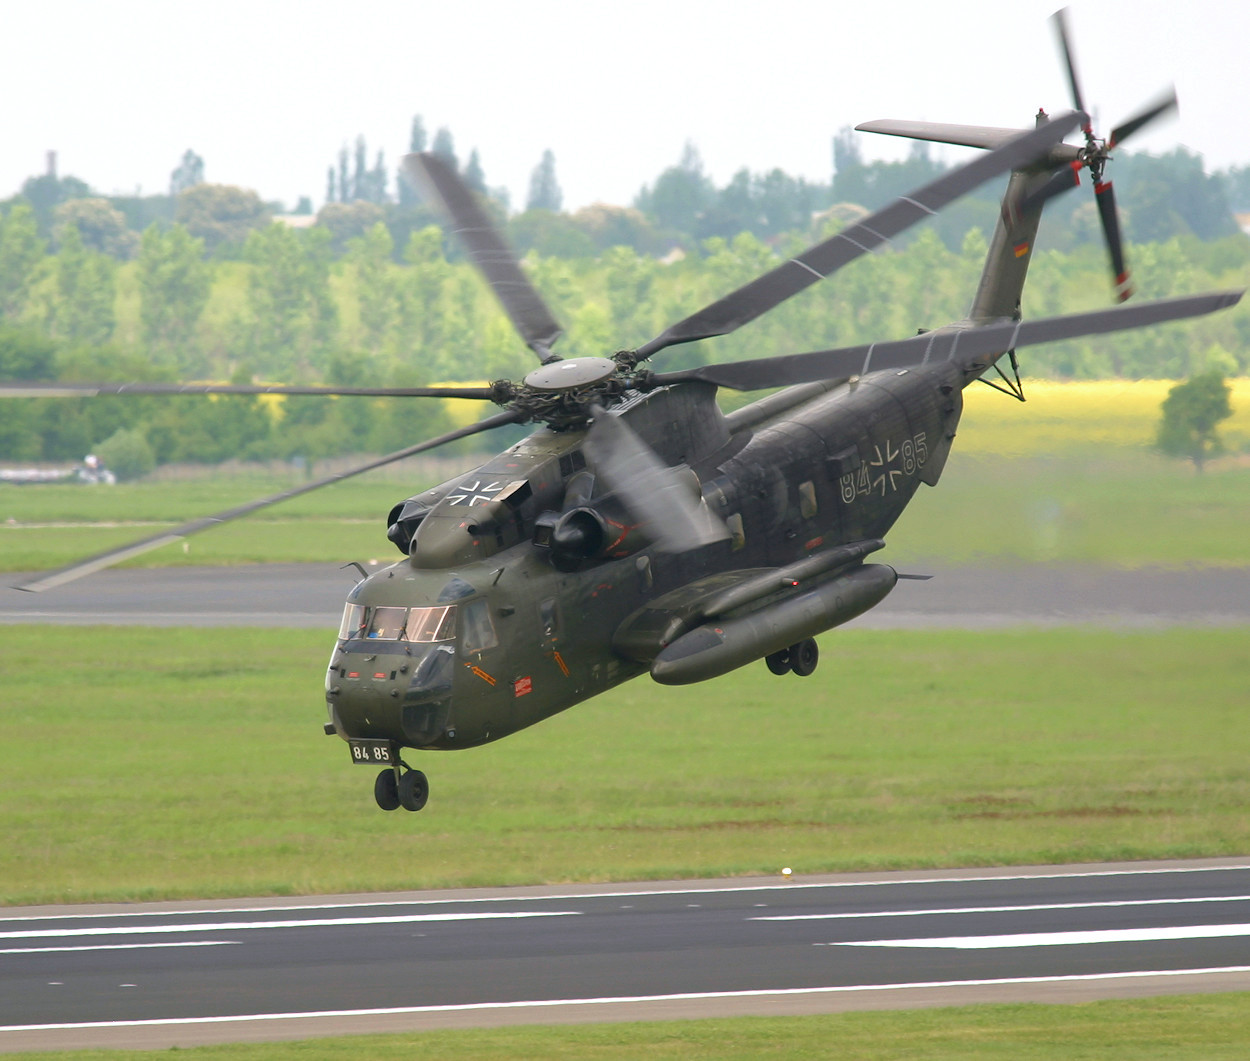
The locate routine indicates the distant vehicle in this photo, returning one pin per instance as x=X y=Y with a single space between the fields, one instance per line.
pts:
x=90 y=471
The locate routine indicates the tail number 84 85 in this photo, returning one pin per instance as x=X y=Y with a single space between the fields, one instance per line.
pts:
x=890 y=462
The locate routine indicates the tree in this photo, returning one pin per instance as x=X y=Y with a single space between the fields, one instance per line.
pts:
x=417 y=141
x=293 y=314
x=174 y=285
x=87 y=285
x=189 y=173
x=222 y=215
x=101 y=226
x=474 y=176
x=545 y=191
x=1191 y=412
x=444 y=147
x=348 y=221
x=21 y=251
x=126 y=454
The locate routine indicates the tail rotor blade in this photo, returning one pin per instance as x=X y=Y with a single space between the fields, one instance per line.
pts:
x=1060 y=181
x=1104 y=195
x=1156 y=110
x=1060 y=21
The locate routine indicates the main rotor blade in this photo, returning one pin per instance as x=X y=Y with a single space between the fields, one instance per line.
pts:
x=770 y=290
x=651 y=491
x=113 y=556
x=964 y=345
x=487 y=251
x=27 y=389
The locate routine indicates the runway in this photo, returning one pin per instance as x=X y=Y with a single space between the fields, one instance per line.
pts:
x=154 y=976
x=312 y=595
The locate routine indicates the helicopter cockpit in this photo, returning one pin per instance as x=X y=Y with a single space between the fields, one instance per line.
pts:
x=413 y=625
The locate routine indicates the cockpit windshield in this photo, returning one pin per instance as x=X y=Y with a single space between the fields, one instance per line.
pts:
x=398 y=624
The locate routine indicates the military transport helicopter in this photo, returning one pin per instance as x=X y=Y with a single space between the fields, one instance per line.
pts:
x=641 y=530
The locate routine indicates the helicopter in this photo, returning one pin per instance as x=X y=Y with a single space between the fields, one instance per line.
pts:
x=641 y=530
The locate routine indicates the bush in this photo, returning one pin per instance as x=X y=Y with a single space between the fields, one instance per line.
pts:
x=126 y=454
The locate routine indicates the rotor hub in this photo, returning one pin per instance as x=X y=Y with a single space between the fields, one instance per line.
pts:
x=573 y=374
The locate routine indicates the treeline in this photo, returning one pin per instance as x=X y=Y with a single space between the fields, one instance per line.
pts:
x=222 y=292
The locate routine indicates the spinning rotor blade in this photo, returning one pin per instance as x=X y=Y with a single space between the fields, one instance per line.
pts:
x=963 y=345
x=1126 y=129
x=113 y=556
x=770 y=290
x=652 y=492
x=23 y=389
x=1095 y=156
x=487 y=250
x=1104 y=196
x=1060 y=20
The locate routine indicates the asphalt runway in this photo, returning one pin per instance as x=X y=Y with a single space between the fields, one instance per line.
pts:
x=312 y=595
x=162 y=975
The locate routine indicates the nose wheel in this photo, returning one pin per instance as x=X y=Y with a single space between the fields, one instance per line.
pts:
x=400 y=786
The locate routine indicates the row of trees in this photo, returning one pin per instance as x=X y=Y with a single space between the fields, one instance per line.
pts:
x=1162 y=197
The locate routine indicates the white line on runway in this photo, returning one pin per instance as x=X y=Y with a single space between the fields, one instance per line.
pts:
x=245 y=926
x=937 y=911
x=124 y=946
x=691 y=996
x=1057 y=939
x=569 y=897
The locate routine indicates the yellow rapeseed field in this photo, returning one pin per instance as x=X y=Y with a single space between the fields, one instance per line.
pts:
x=1059 y=416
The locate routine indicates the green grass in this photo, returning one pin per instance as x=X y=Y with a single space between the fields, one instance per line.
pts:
x=1066 y=477
x=144 y=764
x=1120 y=508
x=1175 y=1028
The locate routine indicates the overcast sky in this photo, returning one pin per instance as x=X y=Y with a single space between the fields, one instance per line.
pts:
x=267 y=91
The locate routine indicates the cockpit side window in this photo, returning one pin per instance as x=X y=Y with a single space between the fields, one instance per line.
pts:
x=431 y=624
x=477 y=632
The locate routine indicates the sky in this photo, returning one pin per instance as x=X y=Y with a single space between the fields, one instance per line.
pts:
x=268 y=91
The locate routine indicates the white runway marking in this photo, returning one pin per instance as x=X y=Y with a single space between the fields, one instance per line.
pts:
x=938 y=911
x=692 y=996
x=123 y=946
x=245 y=926
x=1057 y=939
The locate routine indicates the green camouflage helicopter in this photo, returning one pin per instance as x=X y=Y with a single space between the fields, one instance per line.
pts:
x=641 y=530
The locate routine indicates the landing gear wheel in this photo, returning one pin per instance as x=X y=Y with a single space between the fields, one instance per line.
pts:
x=804 y=656
x=414 y=790
x=779 y=662
x=386 y=790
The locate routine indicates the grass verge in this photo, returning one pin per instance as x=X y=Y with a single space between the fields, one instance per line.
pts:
x=1174 y=1028
x=144 y=763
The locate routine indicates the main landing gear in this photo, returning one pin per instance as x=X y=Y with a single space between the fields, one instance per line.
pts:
x=800 y=658
x=398 y=786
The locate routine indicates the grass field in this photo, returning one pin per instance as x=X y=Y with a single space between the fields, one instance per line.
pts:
x=142 y=764
x=1066 y=477
x=1177 y=1028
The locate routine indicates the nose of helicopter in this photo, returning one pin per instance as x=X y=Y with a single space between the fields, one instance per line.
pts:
x=401 y=697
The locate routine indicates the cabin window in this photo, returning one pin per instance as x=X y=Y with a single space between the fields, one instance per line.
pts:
x=478 y=632
x=737 y=534
x=807 y=499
